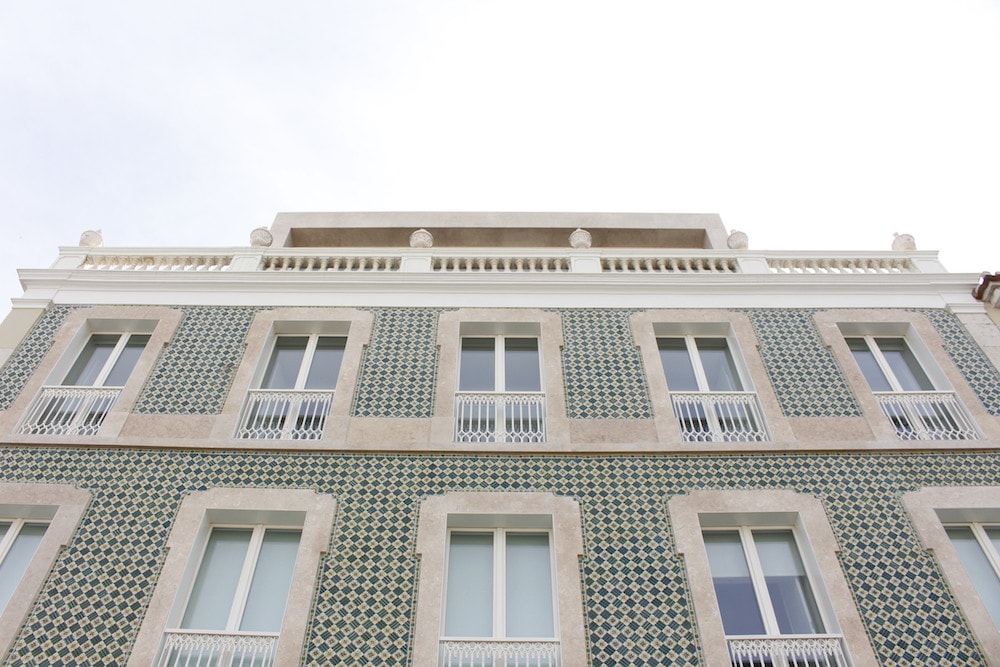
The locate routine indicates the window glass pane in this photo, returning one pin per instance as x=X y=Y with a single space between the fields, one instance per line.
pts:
x=326 y=362
x=126 y=361
x=717 y=361
x=477 y=370
x=978 y=567
x=91 y=361
x=286 y=360
x=521 y=364
x=18 y=559
x=904 y=365
x=677 y=364
x=218 y=576
x=733 y=586
x=869 y=367
x=787 y=583
x=271 y=580
x=529 y=586
x=469 y=595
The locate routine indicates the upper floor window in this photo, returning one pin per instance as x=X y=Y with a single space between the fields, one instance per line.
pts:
x=89 y=389
x=499 y=395
x=707 y=391
x=905 y=391
x=296 y=390
x=510 y=615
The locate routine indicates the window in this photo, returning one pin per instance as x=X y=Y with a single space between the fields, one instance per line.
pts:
x=500 y=581
x=36 y=521
x=296 y=391
x=510 y=571
x=906 y=393
x=767 y=586
x=80 y=403
x=234 y=611
x=707 y=392
x=225 y=596
x=499 y=375
x=961 y=527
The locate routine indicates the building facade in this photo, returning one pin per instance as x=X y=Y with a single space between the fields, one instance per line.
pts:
x=499 y=439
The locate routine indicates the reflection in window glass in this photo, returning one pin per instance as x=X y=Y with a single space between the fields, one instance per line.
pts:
x=477 y=370
x=521 y=364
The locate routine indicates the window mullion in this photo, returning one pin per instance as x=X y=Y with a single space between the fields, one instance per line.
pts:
x=110 y=363
x=499 y=350
x=882 y=363
x=8 y=540
x=699 y=370
x=246 y=577
x=759 y=581
x=306 y=366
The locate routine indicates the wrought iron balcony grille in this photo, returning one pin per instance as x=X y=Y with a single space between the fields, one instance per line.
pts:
x=500 y=417
x=283 y=414
x=790 y=650
x=68 y=410
x=927 y=415
x=500 y=653
x=715 y=416
x=198 y=648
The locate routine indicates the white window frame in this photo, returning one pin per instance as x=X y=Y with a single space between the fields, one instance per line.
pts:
x=353 y=324
x=61 y=506
x=198 y=514
x=516 y=512
x=692 y=514
x=499 y=356
x=158 y=322
x=932 y=510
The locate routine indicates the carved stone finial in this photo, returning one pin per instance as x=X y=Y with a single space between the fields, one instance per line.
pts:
x=903 y=242
x=92 y=238
x=738 y=240
x=580 y=239
x=261 y=238
x=421 y=239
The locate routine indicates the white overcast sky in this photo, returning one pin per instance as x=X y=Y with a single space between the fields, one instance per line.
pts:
x=806 y=124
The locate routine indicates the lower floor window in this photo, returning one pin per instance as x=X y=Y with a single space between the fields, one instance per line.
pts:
x=19 y=539
x=978 y=547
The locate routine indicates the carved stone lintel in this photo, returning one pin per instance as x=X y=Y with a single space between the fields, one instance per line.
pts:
x=92 y=238
x=738 y=240
x=421 y=239
x=903 y=242
x=261 y=238
x=580 y=239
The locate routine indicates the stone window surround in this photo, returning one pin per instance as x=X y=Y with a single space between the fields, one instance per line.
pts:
x=63 y=505
x=266 y=326
x=198 y=511
x=648 y=325
x=927 y=346
x=567 y=548
x=452 y=325
x=930 y=509
x=777 y=507
x=160 y=322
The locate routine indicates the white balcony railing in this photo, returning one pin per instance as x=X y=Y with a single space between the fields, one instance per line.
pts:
x=500 y=653
x=496 y=417
x=715 y=416
x=281 y=414
x=788 y=650
x=68 y=411
x=194 y=648
x=927 y=415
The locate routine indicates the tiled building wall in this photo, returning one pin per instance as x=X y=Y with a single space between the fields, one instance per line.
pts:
x=636 y=601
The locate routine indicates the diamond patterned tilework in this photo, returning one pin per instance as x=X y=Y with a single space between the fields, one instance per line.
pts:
x=977 y=369
x=602 y=369
x=400 y=365
x=635 y=590
x=806 y=378
x=25 y=359
x=195 y=370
